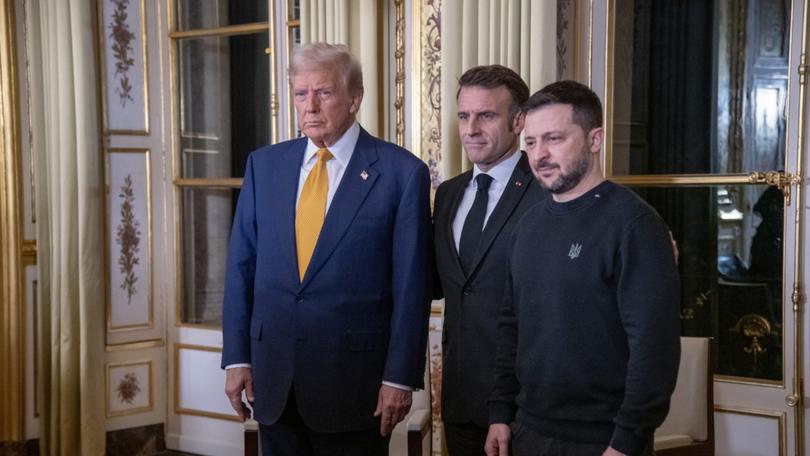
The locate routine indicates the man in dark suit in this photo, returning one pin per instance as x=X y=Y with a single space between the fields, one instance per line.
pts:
x=475 y=214
x=327 y=287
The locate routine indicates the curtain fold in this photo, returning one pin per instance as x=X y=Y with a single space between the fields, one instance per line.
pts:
x=519 y=34
x=359 y=25
x=63 y=101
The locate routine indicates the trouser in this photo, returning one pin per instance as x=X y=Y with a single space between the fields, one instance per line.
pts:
x=465 y=439
x=289 y=436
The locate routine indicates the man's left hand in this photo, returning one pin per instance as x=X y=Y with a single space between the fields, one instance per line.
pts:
x=611 y=452
x=392 y=404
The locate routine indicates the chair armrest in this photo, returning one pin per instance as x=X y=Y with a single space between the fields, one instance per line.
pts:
x=418 y=420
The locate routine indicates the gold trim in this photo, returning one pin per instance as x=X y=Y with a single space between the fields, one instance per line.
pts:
x=610 y=44
x=776 y=384
x=271 y=8
x=12 y=291
x=293 y=23
x=176 y=387
x=590 y=43
x=683 y=179
x=399 y=56
x=35 y=341
x=777 y=415
x=228 y=30
x=144 y=409
x=796 y=400
x=225 y=182
x=102 y=61
x=146 y=344
x=29 y=252
x=416 y=78
x=209 y=326
x=149 y=252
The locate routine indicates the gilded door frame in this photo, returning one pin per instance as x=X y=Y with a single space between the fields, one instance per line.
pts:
x=12 y=302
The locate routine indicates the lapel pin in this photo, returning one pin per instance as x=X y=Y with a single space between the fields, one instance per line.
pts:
x=364 y=175
x=518 y=183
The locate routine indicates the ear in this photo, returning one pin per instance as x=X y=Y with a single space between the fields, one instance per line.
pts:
x=595 y=139
x=354 y=106
x=518 y=122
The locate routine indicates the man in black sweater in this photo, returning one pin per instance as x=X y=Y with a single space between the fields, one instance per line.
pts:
x=588 y=337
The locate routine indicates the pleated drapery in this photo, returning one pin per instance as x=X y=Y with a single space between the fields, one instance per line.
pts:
x=64 y=115
x=359 y=25
x=519 y=34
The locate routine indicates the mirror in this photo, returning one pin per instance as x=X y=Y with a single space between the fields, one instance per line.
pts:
x=699 y=87
x=730 y=242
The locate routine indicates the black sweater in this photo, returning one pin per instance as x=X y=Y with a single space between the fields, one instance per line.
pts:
x=589 y=333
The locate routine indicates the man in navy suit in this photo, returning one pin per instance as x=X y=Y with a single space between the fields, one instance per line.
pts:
x=325 y=333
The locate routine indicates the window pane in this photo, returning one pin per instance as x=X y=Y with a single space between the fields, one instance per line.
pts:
x=201 y=14
x=294 y=9
x=730 y=243
x=699 y=87
x=224 y=103
x=206 y=224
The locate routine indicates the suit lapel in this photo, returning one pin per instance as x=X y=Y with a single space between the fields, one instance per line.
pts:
x=348 y=198
x=454 y=195
x=285 y=182
x=516 y=187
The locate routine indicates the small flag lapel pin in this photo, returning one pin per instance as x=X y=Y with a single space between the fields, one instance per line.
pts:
x=364 y=175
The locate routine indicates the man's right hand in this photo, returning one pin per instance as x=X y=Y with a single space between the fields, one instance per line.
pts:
x=498 y=440
x=239 y=379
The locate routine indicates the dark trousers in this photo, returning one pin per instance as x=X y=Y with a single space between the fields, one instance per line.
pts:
x=526 y=442
x=289 y=436
x=465 y=439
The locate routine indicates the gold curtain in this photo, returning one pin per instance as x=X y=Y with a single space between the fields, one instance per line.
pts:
x=67 y=172
x=519 y=34
x=359 y=24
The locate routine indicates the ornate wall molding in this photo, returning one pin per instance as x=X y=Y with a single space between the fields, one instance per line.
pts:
x=12 y=310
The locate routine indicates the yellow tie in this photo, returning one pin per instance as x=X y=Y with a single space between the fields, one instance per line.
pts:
x=311 y=211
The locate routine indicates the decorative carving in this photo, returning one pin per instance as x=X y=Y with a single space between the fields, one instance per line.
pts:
x=431 y=78
x=777 y=179
x=128 y=237
x=563 y=13
x=122 y=38
x=128 y=388
x=399 y=55
x=756 y=328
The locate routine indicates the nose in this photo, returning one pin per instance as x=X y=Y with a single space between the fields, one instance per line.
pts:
x=473 y=127
x=311 y=104
x=537 y=152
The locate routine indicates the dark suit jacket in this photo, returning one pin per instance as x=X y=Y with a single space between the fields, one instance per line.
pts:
x=472 y=303
x=360 y=315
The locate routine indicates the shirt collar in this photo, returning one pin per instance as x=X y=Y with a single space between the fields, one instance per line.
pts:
x=501 y=172
x=341 y=150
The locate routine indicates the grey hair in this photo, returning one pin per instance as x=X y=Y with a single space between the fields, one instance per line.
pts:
x=336 y=57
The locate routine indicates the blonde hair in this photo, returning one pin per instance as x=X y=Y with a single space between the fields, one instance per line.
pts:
x=337 y=57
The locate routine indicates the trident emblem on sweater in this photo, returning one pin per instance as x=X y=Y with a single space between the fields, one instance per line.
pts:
x=573 y=252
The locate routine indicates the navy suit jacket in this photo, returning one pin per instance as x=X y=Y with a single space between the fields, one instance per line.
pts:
x=360 y=314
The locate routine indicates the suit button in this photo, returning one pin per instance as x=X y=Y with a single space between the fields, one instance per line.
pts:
x=299 y=299
x=467 y=292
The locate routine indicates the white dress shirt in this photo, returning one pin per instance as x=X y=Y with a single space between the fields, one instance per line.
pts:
x=341 y=151
x=500 y=175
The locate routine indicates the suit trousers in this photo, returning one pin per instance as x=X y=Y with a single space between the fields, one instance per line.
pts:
x=465 y=439
x=526 y=442
x=290 y=436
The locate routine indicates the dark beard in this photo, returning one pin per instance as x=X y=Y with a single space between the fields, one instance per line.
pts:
x=566 y=182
